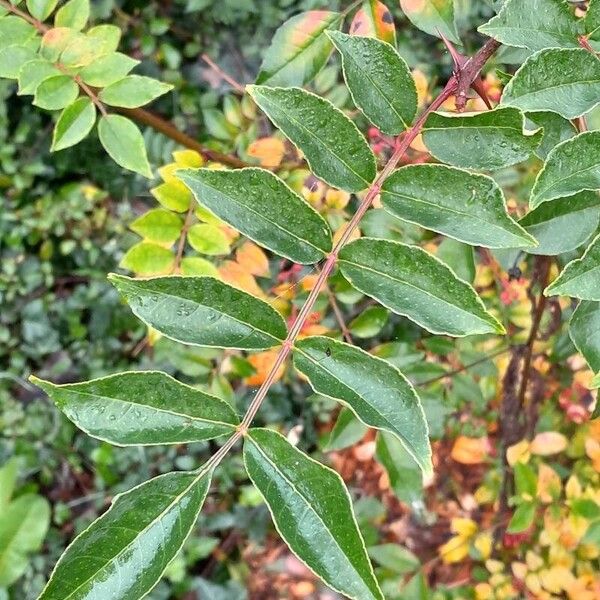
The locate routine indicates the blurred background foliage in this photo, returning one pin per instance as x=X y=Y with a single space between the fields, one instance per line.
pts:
x=68 y=219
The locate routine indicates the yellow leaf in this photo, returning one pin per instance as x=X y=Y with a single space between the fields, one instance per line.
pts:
x=483 y=544
x=519 y=570
x=470 y=451
x=548 y=484
x=337 y=199
x=465 y=528
x=534 y=562
x=484 y=591
x=533 y=583
x=454 y=550
x=519 y=452
x=548 y=443
x=268 y=150
x=188 y=158
x=592 y=449
x=252 y=258
x=554 y=578
x=573 y=487
x=422 y=86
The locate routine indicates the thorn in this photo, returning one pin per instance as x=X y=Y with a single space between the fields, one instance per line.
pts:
x=477 y=86
x=458 y=59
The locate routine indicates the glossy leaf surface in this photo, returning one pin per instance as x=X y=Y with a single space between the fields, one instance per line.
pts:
x=411 y=282
x=565 y=81
x=535 y=24
x=263 y=208
x=124 y=143
x=74 y=123
x=55 y=92
x=142 y=408
x=563 y=224
x=108 y=69
x=123 y=554
x=299 y=49
x=334 y=148
x=379 y=80
x=432 y=16
x=133 y=91
x=312 y=511
x=581 y=277
x=487 y=140
x=557 y=129
x=406 y=478
x=462 y=205
x=375 y=20
x=573 y=166
x=202 y=311
x=375 y=390
x=584 y=329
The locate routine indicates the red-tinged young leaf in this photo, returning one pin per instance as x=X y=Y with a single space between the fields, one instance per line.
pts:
x=374 y=19
x=299 y=49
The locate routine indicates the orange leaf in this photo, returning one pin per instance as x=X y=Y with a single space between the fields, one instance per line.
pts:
x=262 y=362
x=268 y=150
x=236 y=275
x=252 y=258
x=470 y=451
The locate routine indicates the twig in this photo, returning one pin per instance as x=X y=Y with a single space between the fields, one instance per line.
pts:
x=466 y=367
x=402 y=145
x=138 y=114
x=182 y=237
x=222 y=74
x=470 y=72
x=339 y=316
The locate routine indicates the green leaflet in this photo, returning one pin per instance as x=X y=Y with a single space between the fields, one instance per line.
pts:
x=522 y=517
x=133 y=91
x=457 y=203
x=202 y=311
x=557 y=129
x=32 y=73
x=124 y=143
x=459 y=257
x=375 y=390
x=584 y=330
x=8 y=481
x=561 y=80
x=564 y=224
x=41 y=9
x=413 y=283
x=12 y=58
x=406 y=478
x=571 y=167
x=23 y=526
x=581 y=277
x=346 y=432
x=158 y=225
x=108 y=69
x=335 y=149
x=312 y=511
x=535 y=24
x=73 y=14
x=299 y=49
x=379 y=80
x=433 y=17
x=263 y=208
x=486 y=140
x=148 y=258
x=55 y=92
x=591 y=21
x=374 y=20
x=74 y=123
x=128 y=548
x=15 y=31
x=142 y=408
